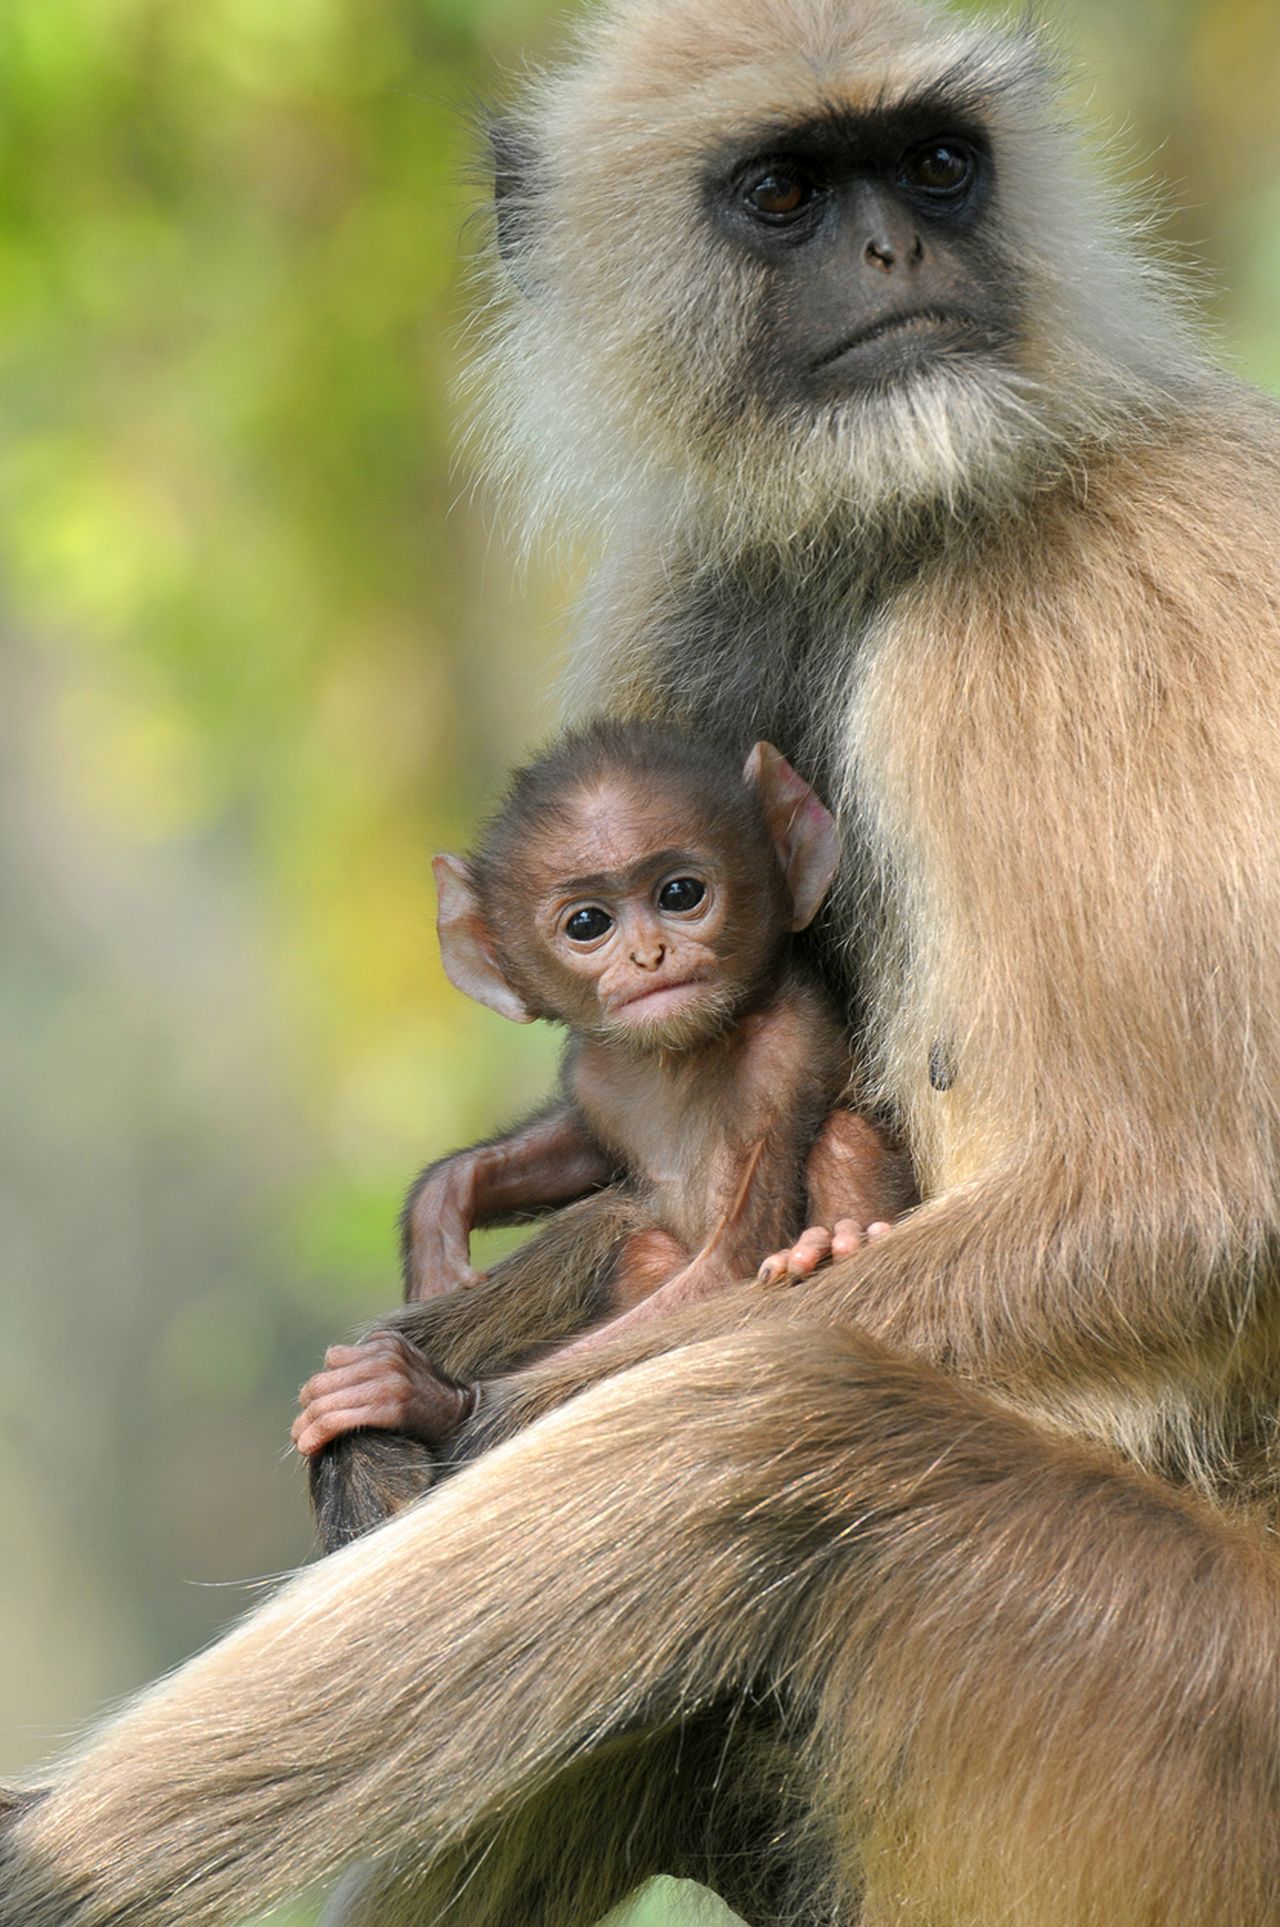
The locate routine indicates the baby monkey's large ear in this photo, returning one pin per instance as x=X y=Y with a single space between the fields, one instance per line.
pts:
x=803 y=830
x=466 y=948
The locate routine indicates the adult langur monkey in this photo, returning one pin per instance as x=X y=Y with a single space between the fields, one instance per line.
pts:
x=945 y=1592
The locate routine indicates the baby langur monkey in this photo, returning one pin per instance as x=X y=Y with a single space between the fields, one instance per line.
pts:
x=643 y=891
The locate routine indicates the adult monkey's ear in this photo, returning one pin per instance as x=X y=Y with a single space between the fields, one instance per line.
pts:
x=515 y=167
x=466 y=948
x=802 y=828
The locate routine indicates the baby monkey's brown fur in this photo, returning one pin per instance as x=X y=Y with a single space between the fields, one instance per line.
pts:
x=641 y=889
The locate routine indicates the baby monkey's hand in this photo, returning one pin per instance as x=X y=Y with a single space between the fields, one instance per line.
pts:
x=818 y=1246
x=385 y=1383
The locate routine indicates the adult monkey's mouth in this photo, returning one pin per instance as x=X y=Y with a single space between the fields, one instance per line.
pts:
x=923 y=323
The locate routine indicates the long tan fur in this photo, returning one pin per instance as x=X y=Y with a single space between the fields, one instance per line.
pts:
x=895 y=1541
x=855 y=1634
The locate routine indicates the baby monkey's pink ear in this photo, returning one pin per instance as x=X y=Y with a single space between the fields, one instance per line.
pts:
x=466 y=948
x=803 y=830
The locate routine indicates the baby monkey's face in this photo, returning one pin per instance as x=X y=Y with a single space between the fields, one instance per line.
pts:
x=653 y=930
x=649 y=903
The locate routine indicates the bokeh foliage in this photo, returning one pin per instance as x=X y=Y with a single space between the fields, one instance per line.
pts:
x=264 y=650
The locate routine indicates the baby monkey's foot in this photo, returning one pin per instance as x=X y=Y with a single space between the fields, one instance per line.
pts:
x=818 y=1246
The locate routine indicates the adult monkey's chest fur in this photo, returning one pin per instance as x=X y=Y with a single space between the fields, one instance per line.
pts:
x=752 y=651
x=776 y=648
x=790 y=649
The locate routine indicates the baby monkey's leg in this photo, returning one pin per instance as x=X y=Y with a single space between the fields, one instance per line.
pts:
x=644 y=1262
x=855 y=1171
x=857 y=1184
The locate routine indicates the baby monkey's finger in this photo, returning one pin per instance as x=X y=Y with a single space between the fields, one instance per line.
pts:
x=811 y=1249
x=847 y=1236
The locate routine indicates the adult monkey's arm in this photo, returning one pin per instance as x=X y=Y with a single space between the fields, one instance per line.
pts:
x=1066 y=1304
x=921 y=1570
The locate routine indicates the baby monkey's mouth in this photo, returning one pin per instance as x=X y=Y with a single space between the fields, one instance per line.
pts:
x=659 y=998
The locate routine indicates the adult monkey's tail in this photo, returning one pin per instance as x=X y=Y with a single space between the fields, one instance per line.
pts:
x=1058 y=1679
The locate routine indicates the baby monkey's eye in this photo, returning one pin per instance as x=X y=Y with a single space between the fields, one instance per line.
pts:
x=585 y=926
x=682 y=893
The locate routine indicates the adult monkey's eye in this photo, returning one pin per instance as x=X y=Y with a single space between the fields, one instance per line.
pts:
x=781 y=194
x=586 y=926
x=682 y=893
x=939 y=167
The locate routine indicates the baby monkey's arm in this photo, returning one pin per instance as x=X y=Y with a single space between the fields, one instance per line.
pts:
x=373 y=1418
x=551 y=1159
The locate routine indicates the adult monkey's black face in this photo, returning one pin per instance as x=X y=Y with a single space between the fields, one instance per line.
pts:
x=872 y=230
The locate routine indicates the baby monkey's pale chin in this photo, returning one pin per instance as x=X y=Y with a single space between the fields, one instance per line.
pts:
x=670 y=1016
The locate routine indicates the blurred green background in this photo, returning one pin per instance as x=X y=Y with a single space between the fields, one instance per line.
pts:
x=265 y=648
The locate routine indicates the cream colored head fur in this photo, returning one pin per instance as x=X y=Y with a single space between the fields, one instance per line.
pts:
x=623 y=325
